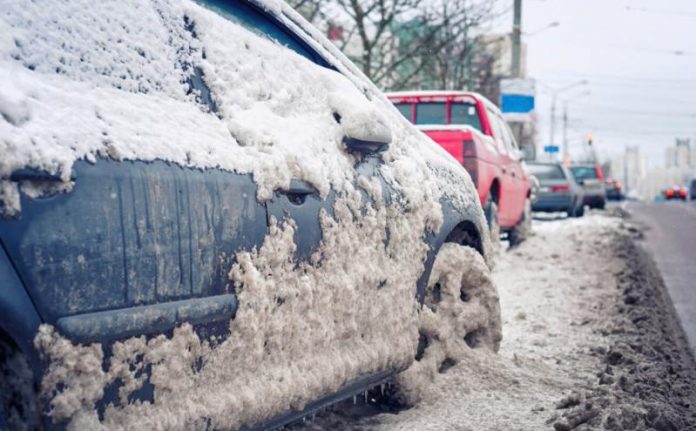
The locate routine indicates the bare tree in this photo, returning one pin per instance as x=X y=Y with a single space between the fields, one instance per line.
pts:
x=405 y=43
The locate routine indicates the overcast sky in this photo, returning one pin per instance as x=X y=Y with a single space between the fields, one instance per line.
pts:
x=642 y=92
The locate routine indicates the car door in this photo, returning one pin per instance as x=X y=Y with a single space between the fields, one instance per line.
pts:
x=518 y=176
x=507 y=197
x=148 y=242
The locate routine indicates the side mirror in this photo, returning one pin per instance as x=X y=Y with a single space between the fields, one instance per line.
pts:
x=365 y=130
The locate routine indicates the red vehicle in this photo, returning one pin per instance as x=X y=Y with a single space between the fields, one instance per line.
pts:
x=473 y=130
x=676 y=192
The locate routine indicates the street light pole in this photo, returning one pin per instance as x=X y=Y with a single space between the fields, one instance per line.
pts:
x=566 y=152
x=517 y=39
x=554 y=96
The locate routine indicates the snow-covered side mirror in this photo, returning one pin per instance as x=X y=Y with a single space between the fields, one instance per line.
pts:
x=365 y=129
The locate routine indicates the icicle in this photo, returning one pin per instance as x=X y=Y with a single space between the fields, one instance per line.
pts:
x=366 y=400
x=381 y=388
x=355 y=399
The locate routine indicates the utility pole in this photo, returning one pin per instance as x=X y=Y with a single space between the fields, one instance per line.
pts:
x=516 y=38
x=566 y=153
x=552 y=129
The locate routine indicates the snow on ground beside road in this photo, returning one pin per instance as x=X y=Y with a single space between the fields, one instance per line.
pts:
x=556 y=291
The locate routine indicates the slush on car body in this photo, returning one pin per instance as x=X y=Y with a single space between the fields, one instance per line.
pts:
x=209 y=219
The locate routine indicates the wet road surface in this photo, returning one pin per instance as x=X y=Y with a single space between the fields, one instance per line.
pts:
x=671 y=239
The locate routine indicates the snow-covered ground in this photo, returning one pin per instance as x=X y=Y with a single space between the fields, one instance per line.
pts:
x=559 y=293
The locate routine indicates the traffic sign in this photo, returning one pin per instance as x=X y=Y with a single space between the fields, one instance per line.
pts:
x=551 y=149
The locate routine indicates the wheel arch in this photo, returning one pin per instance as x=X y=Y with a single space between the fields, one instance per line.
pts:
x=465 y=226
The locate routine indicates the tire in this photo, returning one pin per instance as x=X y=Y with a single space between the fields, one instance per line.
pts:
x=523 y=228
x=462 y=294
x=576 y=211
x=18 y=396
x=460 y=316
x=490 y=210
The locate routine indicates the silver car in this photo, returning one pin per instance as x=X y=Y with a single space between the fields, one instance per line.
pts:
x=589 y=177
x=558 y=190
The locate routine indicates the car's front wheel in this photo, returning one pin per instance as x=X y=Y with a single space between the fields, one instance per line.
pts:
x=460 y=313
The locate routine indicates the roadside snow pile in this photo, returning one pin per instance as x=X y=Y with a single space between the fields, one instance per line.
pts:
x=557 y=294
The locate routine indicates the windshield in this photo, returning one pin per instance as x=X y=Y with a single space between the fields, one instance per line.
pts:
x=253 y=19
x=546 y=172
x=581 y=173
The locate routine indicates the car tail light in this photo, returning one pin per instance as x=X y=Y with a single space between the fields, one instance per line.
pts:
x=617 y=186
x=598 y=170
x=670 y=193
x=471 y=166
x=682 y=193
x=469 y=148
x=559 y=189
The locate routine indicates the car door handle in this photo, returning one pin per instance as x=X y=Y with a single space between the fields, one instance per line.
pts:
x=298 y=190
x=37 y=175
x=364 y=147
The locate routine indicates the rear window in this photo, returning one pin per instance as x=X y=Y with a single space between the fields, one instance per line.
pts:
x=405 y=109
x=465 y=114
x=547 y=172
x=431 y=113
x=581 y=173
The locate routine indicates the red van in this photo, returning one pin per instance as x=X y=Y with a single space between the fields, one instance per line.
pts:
x=473 y=130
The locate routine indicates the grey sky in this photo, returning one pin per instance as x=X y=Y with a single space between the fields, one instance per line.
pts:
x=642 y=93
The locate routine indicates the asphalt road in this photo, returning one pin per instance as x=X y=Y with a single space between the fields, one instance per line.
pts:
x=671 y=239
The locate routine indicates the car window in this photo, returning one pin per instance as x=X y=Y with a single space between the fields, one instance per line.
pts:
x=581 y=173
x=253 y=19
x=546 y=172
x=506 y=136
x=497 y=130
x=405 y=110
x=464 y=114
x=431 y=113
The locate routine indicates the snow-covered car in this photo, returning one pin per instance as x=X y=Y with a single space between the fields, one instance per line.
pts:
x=211 y=219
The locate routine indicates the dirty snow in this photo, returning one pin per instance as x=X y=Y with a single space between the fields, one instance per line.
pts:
x=565 y=358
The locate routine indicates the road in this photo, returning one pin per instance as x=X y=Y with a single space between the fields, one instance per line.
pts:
x=672 y=241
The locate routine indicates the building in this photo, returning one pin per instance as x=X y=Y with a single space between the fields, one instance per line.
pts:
x=679 y=155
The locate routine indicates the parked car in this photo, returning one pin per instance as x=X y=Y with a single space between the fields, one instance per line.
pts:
x=676 y=192
x=692 y=190
x=614 y=190
x=591 y=179
x=558 y=191
x=209 y=219
x=473 y=131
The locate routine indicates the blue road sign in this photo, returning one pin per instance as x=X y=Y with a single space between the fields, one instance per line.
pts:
x=551 y=149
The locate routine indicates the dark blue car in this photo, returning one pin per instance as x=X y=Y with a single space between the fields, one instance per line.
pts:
x=208 y=219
